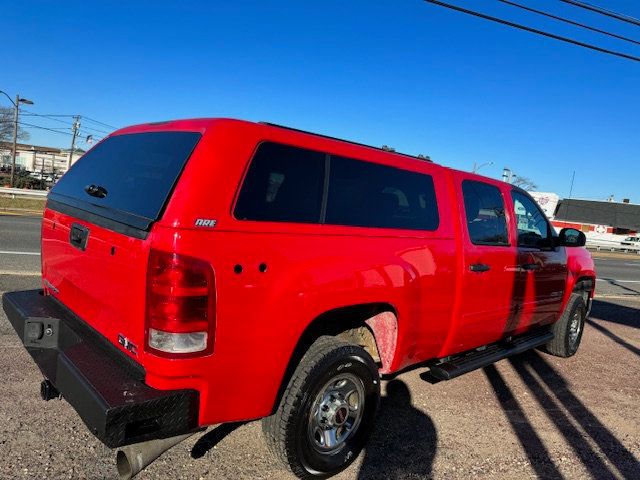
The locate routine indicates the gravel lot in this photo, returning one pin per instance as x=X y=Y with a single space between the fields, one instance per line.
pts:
x=532 y=416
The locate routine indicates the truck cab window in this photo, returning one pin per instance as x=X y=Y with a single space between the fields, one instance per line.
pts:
x=533 y=228
x=365 y=194
x=484 y=208
x=283 y=184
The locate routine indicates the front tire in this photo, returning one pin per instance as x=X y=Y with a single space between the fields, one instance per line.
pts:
x=568 y=330
x=326 y=413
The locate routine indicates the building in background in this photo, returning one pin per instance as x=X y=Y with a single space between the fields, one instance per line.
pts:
x=603 y=220
x=599 y=219
x=547 y=201
x=48 y=161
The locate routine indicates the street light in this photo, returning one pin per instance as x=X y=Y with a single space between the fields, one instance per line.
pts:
x=478 y=167
x=16 y=109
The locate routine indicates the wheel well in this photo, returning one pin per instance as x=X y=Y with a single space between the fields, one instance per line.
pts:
x=373 y=326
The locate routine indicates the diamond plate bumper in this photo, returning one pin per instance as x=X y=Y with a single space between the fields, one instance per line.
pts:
x=102 y=384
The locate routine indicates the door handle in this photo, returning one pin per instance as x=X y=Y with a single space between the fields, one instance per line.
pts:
x=479 y=267
x=96 y=191
x=530 y=266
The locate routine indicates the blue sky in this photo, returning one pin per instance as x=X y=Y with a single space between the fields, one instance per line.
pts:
x=409 y=74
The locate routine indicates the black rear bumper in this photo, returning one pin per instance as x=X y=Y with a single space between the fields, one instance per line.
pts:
x=102 y=384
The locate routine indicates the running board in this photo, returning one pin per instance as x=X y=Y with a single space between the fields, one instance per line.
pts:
x=467 y=362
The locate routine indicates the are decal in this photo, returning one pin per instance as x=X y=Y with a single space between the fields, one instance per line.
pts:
x=205 y=222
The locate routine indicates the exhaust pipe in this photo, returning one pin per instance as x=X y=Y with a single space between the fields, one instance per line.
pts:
x=132 y=459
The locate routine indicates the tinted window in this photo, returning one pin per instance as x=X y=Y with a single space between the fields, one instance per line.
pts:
x=533 y=229
x=136 y=171
x=484 y=209
x=370 y=195
x=283 y=184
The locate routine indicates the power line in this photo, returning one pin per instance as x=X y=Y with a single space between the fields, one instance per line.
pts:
x=533 y=30
x=48 y=117
x=95 y=129
x=46 y=114
x=54 y=130
x=99 y=123
x=57 y=130
x=604 y=11
x=84 y=117
x=85 y=134
x=570 y=22
x=43 y=128
x=62 y=130
x=70 y=124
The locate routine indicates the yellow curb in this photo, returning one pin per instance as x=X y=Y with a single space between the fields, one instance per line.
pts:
x=28 y=213
x=19 y=273
x=607 y=254
x=634 y=298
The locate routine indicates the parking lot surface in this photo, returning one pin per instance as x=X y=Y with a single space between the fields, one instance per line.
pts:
x=532 y=416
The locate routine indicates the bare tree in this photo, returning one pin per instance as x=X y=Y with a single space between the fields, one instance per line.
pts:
x=523 y=182
x=6 y=126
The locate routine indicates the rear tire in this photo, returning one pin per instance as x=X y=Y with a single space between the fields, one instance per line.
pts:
x=327 y=411
x=568 y=330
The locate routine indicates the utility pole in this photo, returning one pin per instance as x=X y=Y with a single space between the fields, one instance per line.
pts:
x=76 y=127
x=15 y=140
x=16 y=106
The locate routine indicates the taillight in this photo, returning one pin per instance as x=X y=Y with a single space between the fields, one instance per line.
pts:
x=180 y=310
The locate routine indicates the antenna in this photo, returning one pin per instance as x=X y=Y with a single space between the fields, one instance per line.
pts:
x=573 y=177
x=571 y=187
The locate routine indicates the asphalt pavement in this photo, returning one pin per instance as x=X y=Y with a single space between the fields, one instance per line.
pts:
x=19 y=244
x=20 y=233
x=618 y=274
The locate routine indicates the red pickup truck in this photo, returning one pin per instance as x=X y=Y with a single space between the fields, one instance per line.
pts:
x=196 y=272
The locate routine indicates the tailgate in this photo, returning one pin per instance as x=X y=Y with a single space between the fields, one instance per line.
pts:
x=104 y=283
x=95 y=231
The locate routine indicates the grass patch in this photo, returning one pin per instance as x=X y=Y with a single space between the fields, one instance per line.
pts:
x=33 y=204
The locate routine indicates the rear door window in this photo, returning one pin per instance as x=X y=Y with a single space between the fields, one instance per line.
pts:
x=484 y=208
x=366 y=194
x=283 y=184
x=135 y=172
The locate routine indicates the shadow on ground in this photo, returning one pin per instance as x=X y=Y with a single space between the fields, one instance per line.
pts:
x=615 y=283
x=620 y=314
x=404 y=440
x=590 y=439
x=615 y=313
x=390 y=453
x=210 y=439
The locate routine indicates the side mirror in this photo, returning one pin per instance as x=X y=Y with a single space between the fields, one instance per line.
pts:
x=570 y=237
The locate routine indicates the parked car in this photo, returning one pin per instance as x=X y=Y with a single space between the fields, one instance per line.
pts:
x=631 y=242
x=197 y=272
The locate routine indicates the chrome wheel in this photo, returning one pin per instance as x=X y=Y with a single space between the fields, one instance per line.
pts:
x=336 y=412
x=575 y=327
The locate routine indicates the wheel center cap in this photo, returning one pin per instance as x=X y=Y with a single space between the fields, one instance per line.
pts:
x=340 y=416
